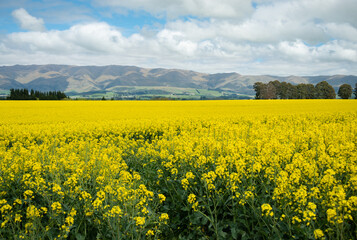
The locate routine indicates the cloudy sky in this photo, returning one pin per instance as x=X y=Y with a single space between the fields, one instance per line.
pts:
x=277 y=37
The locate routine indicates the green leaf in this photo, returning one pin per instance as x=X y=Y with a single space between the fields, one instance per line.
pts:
x=80 y=236
x=221 y=234
x=234 y=232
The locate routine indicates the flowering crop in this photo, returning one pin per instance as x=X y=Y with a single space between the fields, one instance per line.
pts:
x=171 y=170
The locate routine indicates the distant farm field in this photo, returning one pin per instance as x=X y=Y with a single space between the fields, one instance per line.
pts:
x=244 y=169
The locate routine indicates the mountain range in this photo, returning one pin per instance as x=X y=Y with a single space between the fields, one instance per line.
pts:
x=132 y=80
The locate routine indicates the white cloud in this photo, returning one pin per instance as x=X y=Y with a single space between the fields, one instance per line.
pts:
x=338 y=51
x=176 y=8
x=92 y=38
x=302 y=37
x=297 y=51
x=341 y=31
x=27 y=21
x=278 y=21
x=102 y=44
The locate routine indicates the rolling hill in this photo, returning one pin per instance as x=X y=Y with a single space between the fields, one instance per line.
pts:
x=129 y=81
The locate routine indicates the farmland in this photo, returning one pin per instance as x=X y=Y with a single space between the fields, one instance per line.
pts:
x=178 y=169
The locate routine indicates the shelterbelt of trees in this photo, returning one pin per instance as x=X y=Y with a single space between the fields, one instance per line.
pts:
x=25 y=94
x=283 y=90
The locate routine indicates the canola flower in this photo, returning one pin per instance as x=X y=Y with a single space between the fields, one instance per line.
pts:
x=162 y=198
x=139 y=220
x=318 y=233
x=166 y=170
x=191 y=198
x=267 y=210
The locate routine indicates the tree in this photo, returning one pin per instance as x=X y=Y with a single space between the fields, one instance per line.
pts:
x=276 y=84
x=265 y=91
x=305 y=91
x=24 y=94
x=345 y=91
x=292 y=92
x=324 y=91
x=355 y=91
x=311 y=91
x=257 y=88
x=283 y=90
x=268 y=91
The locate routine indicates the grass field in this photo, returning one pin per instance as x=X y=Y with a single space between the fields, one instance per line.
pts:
x=147 y=92
x=244 y=169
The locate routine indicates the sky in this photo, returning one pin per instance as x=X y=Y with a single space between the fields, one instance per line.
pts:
x=250 y=37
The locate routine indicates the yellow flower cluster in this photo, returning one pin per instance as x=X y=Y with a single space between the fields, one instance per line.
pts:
x=318 y=233
x=267 y=210
x=123 y=167
x=164 y=217
x=191 y=198
x=162 y=197
x=139 y=220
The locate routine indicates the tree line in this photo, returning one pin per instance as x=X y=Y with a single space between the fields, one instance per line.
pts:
x=25 y=94
x=284 y=90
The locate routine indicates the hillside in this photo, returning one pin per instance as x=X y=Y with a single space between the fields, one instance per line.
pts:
x=129 y=81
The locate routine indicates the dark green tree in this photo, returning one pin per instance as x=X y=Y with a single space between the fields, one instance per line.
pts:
x=277 y=84
x=283 y=90
x=305 y=91
x=301 y=90
x=292 y=92
x=24 y=94
x=355 y=93
x=345 y=91
x=311 y=91
x=324 y=91
x=257 y=88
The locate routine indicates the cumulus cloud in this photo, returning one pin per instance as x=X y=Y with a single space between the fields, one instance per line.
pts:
x=301 y=37
x=176 y=8
x=91 y=38
x=27 y=21
x=99 y=43
x=278 y=21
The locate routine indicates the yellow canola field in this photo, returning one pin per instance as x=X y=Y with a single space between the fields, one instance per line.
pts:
x=277 y=169
x=65 y=111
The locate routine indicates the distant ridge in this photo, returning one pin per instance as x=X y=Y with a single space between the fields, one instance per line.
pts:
x=113 y=78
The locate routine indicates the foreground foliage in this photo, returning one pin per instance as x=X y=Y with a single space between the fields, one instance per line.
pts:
x=289 y=174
